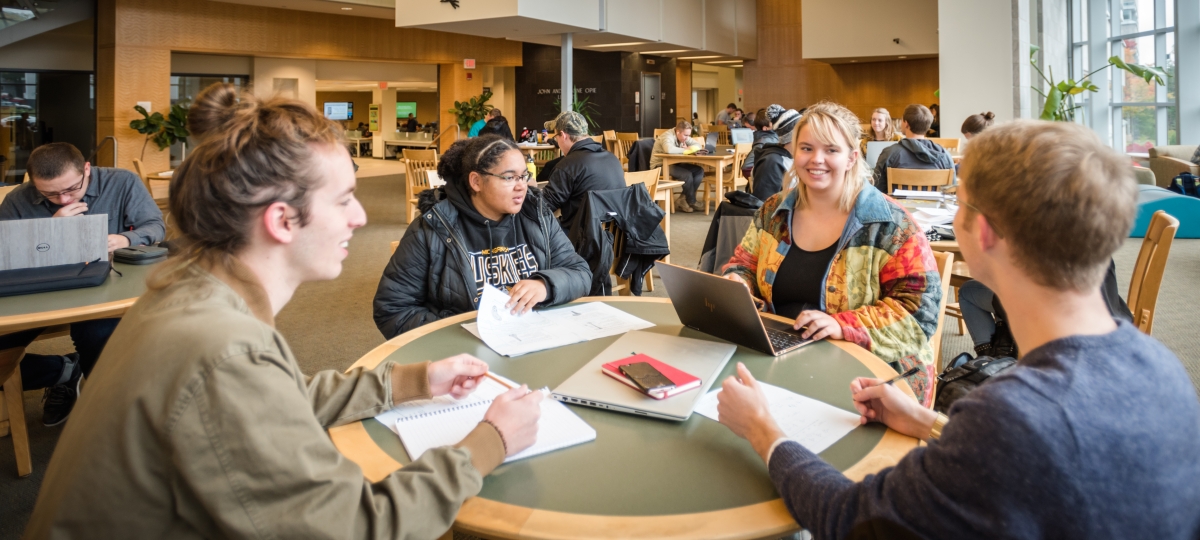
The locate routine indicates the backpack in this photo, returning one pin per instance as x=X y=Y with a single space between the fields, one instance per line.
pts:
x=966 y=374
x=1185 y=184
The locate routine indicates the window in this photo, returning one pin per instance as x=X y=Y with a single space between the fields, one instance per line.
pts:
x=184 y=88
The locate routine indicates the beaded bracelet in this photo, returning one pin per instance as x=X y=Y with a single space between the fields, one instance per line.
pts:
x=503 y=442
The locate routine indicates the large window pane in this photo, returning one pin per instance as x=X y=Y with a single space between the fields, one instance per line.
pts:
x=1170 y=13
x=1128 y=87
x=1138 y=130
x=1172 y=125
x=1134 y=16
x=1079 y=19
x=184 y=89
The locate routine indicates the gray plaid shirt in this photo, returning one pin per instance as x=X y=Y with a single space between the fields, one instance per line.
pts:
x=132 y=213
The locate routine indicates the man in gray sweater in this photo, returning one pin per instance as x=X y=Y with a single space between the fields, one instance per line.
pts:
x=1092 y=435
x=914 y=151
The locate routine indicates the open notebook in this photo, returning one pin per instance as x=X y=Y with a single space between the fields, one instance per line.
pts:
x=443 y=421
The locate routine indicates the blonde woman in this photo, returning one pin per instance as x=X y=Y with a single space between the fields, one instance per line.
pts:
x=841 y=258
x=881 y=130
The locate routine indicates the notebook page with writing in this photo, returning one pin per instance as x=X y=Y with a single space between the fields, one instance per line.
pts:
x=426 y=427
x=814 y=424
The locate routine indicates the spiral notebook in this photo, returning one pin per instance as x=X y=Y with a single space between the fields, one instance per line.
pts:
x=444 y=422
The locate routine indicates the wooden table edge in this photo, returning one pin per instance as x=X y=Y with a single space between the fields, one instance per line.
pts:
x=496 y=519
x=16 y=323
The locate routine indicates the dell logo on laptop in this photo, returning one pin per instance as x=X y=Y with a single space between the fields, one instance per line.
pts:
x=43 y=247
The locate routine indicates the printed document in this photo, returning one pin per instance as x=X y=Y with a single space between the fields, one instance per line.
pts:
x=514 y=335
x=814 y=424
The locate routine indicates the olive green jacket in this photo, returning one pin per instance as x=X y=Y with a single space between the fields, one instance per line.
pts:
x=197 y=423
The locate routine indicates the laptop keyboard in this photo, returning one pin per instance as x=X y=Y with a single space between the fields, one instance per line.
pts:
x=782 y=341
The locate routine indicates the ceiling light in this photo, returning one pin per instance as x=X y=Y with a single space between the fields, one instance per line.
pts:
x=903 y=57
x=725 y=62
x=666 y=52
x=347 y=8
x=698 y=57
x=737 y=66
x=854 y=61
x=630 y=44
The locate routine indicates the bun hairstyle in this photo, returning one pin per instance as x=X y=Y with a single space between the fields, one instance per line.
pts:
x=478 y=154
x=976 y=123
x=251 y=152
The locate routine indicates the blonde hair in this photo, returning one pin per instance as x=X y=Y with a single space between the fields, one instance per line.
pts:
x=889 y=130
x=1063 y=200
x=829 y=121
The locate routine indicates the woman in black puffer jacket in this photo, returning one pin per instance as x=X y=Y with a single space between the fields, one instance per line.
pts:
x=485 y=226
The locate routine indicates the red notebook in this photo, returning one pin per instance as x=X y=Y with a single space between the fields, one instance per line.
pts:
x=683 y=381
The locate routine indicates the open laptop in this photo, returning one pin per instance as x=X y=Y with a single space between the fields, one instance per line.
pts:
x=741 y=135
x=38 y=243
x=590 y=387
x=725 y=309
x=710 y=142
x=874 y=149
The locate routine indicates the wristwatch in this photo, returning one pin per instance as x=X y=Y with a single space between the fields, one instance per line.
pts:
x=939 y=423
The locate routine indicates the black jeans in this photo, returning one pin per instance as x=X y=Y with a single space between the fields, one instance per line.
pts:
x=691 y=175
x=43 y=371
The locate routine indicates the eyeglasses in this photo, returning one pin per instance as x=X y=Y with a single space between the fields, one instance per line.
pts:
x=72 y=189
x=980 y=212
x=509 y=179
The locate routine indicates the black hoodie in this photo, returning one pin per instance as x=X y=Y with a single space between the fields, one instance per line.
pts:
x=910 y=154
x=451 y=250
x=587 y=167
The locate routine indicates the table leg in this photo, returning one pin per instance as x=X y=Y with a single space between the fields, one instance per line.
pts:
x=20 y=434
x=720 y=186
x=666 y=223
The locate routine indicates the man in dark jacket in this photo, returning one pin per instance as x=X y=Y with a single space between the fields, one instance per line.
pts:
x=585 y=166
x=773 y=160
x=914 y=151
x=498 y=125
x=452 y=250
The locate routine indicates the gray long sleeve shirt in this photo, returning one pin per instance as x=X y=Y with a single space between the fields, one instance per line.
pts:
x=119 y=193
x=1088 y=437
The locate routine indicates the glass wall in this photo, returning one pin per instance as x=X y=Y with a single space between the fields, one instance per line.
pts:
x=37 y=108
x=1141 y=115
x=185 y=87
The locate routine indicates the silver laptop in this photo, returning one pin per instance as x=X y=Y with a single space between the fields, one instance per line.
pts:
x=741 y=135
x=37 y=243
x=725 y=309
x=590 y=387
x=874 y=149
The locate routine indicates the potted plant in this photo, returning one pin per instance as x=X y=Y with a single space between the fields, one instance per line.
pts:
x=467 y=112
x=1060 y=98
x=163 y=131
x=584 y=107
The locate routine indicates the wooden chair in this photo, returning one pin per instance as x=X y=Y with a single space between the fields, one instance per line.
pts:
x=12 y=400
x=1148 y=273
x=610 y=140
x=660 y=131
x=141 y=172
x=416 y=180
x=650 y=179
x=945 y=263
x=420 y=155
x=948 y=144
x=919 y=179
x=5 y=190
x=733 y=179
x=722 y=132
x=624 y=143
x=541 y=157
x=598 y=138
x=395 y=244
x=958 y=275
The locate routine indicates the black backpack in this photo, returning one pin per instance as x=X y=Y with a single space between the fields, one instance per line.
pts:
x=966 y=374
x=1185 y=184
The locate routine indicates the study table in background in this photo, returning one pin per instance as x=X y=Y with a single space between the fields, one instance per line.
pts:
x=356 y=143
x=641 y=477
x=718 y=161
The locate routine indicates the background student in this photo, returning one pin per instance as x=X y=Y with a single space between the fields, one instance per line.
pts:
x=881 y=130
x=773 y=161
x=1092 y=435
x=198 y=423
x=914 y=151
x=585 y=167
x=839 y=257
x=65 y=185
x=679 y=141
x=490 y=228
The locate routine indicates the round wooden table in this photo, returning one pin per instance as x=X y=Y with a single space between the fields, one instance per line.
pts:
x=110 y=299
x=641 y=477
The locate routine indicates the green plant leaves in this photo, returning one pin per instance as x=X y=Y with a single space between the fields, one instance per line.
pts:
x=1147 y=73
x=1054 y=100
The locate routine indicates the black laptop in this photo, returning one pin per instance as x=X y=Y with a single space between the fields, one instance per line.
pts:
x=725 y=309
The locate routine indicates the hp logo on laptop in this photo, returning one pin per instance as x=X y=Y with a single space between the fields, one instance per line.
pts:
x=43 y=247
x=711 y=307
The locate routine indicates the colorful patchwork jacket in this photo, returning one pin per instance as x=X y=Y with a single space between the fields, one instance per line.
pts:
x=882 y=286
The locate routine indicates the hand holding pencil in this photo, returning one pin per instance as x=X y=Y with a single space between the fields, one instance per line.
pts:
x=879 y=400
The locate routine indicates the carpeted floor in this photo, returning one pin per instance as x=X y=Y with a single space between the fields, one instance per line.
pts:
x=329 y=325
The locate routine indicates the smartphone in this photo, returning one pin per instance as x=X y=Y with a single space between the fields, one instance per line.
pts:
x=646 y=377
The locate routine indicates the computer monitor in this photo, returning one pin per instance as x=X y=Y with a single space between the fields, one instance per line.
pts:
x=405 y=108
x=741 y=135
x=339 y=110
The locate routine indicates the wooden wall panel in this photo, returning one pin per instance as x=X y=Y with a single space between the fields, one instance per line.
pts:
x=683 y=90
x=781 y=74
x=454 y=86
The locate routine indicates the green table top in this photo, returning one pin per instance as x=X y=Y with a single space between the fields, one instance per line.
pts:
x=116 y=288
x=640 y=466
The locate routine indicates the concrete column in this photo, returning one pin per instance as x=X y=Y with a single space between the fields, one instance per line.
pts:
x=386 y=98
x=124 y=76
x=568 y=73
x=1187 y=47
x=1098 y=53
x=978 y=64
x=454 y=86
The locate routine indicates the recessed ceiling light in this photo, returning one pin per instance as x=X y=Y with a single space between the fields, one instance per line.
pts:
x=666 y=52
x=698 y=57
x=630 y=44
x=737 y=66
x=854 y=61
x=347 y=8
x=903 y=57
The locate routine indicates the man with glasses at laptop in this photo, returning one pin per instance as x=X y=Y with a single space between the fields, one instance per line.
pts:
x=64 y=185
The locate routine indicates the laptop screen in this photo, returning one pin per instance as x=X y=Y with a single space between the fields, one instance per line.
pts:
x=741 y=135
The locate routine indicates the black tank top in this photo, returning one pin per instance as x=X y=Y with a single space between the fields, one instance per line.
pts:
x=799 y=280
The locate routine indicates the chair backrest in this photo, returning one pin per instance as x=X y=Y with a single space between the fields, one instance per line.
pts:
x=945 y=264
x=948 y=144
x=919 y=179
x=610 y=139
x=740 y=151
x=649 y=178
x=395 y=244
x=1148 y=273
x=598 y=138
x=623 y=144
x=660 y=131
x=420 y=155
x=5 y=189
x=415 y=174
x=137 y=168
x=722 y=132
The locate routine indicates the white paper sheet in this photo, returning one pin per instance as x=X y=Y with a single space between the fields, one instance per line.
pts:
x=514 y=335
x=915 y=194
x=814 y=424
x=928 y=217
x=434 y=179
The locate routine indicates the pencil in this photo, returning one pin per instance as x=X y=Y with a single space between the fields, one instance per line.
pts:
x=499 y=380
x=908 y=373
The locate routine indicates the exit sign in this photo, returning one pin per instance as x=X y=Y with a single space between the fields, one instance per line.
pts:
x=468 y=63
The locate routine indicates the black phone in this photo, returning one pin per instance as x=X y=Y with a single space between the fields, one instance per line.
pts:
x=646 y=377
